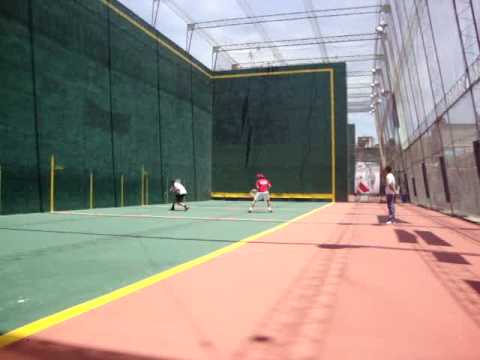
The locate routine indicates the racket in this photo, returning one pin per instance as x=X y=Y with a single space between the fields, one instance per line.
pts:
x=253 y=192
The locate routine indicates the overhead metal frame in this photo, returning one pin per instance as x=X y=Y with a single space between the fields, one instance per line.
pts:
x=310 y=14
x=344 y=38
x=313 y=59
x=298 y=42
x=308 y=4
x=183 y=14
x=290 y=16
x=357 y=90
x=243 y=4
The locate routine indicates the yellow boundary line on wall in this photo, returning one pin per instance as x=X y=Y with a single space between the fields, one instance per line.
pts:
x=272 y=73
x=241 y=195
x=61 y=316
x=189 y=61
x=331 y=72
x=155 y=37
x=332 y=115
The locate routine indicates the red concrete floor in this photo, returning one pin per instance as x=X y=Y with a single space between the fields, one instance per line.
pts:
x=334 y=285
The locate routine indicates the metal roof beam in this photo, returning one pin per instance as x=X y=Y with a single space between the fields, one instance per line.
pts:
x=297 y=42
x=261 y=30
x=308 y=4
x=291 y=16
x=346 y=58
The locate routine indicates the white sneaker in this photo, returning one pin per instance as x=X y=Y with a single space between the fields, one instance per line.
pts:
x=269 y=209
x=250 y=210
x=389 y=222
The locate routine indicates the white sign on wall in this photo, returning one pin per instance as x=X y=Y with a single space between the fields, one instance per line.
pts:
x=367 y=178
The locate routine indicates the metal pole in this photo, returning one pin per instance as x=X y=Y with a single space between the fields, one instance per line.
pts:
x=52 y=183
x=167 y=190
x=122 y=196
x=190 y=29
x=142 y=187
x=0 y=189
x=146 y=189
x=91 y=190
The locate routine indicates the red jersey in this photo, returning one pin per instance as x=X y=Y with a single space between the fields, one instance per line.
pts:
x=263 y=185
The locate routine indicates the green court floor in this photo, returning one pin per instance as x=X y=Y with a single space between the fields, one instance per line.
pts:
x=50 y=262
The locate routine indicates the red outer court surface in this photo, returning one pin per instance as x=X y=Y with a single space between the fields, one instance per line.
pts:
x=334 y=285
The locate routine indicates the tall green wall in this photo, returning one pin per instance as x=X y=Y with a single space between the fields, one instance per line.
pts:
x=84 y=81
x=278 y=122
x=81 y=82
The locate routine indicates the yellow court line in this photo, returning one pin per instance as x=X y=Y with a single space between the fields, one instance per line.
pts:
x=233 y=195
x=61 y=316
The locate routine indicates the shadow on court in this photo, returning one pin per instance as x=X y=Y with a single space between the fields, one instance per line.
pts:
x=442 y=257
x=402 y=235
x=383 y=219
x=32 y=348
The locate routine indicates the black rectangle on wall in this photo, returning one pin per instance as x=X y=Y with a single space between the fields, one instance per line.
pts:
x=476 y=151
x=443 y=169
x=407 y=189
x=425 y=180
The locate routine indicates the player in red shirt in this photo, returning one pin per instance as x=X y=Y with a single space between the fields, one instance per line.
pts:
x=263 y=186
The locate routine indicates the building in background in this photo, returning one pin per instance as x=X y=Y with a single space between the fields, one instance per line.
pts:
x=367 y=166
x=365 y=141
x=426 y=100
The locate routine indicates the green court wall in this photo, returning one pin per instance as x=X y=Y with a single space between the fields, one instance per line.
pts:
x=279 y=124
x=83 y=83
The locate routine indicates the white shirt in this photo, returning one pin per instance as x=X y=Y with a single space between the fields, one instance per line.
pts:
x=390 y=180
x=180 y=189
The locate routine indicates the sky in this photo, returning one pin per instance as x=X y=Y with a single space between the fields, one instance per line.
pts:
x=173 y=16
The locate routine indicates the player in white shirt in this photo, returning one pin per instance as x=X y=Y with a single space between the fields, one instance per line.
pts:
x=180 y=192
x=390 y=192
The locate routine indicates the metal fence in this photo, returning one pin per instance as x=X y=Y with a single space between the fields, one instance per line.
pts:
x=426 y=100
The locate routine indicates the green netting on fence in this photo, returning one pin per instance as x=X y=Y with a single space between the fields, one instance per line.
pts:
x=18 y=144
x=72 y=95
x=123 y=115
x=111 y=104
x=135 y=109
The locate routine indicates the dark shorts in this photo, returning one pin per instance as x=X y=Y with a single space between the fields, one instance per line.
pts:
x=179 y=198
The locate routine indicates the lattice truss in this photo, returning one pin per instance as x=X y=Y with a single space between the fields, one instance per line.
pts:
x=254 y=36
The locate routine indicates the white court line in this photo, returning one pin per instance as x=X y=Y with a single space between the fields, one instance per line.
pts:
x=148 y=216
x=235 y=208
